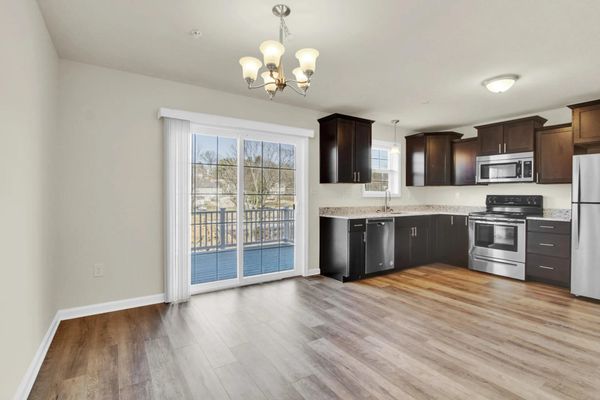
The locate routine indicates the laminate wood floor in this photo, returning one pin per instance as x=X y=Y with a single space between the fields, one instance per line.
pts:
x=433 y=332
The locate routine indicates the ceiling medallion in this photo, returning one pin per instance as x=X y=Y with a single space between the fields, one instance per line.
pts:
x=272 y=50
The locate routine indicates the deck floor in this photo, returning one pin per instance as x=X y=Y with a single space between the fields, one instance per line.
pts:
x=433 y=332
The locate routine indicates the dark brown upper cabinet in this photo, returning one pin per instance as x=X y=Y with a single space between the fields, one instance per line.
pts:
x=586 y=123
x=464 y=152
x=345 y=149
x=554 y=154
x=514 y=136
x=429 y=158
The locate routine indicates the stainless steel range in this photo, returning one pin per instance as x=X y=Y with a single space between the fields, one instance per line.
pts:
x=497 y=236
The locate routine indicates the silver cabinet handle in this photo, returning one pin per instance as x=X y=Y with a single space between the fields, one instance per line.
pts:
x=466 y=221
x=547 y=226
x=505 y=147
x=537 y=177
x=546 y=244
x=544 y=267
x=358 y=176
x=452 y=220
x=499 y=148
x=416 y=231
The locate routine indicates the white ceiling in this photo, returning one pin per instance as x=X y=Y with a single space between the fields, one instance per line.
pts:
x=421 y=61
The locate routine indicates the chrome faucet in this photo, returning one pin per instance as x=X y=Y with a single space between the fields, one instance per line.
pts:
x=387 y=197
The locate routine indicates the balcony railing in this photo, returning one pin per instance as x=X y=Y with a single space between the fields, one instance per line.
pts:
x=212 y=230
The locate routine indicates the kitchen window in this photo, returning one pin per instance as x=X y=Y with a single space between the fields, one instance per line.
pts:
x=385 y=171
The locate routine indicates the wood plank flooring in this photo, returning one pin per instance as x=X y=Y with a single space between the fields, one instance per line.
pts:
x=433 y=332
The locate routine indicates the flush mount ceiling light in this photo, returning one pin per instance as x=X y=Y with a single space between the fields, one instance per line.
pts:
x=272 y=50
x=395 y=148
x=500 y=84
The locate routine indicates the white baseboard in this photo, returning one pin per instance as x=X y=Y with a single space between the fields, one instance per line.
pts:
x=70 y=313
x=32 y=372
x=100 y=308
x=313 y=271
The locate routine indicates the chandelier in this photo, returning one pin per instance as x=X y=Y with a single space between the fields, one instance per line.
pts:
x=274 y=78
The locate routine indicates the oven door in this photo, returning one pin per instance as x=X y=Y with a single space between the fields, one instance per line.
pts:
x=504 y=240
x=495 y=171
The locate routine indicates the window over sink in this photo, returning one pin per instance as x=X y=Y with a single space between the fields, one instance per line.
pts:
x=385 y=171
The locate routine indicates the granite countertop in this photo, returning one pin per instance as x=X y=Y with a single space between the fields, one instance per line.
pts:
x=391 y=214
x=550 y=214
x=399 y=211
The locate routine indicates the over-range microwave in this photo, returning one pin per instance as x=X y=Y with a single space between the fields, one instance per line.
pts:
x=503 y=168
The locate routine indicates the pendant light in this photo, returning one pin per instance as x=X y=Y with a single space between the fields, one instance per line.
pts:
x=395 y=148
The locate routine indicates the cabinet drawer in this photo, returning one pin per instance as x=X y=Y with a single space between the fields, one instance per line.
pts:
x=549 y=244
x=545 y=268
x=538 y=225
x=419 y=220
x=357 y=225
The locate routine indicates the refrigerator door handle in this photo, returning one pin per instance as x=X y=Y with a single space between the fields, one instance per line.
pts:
x=576 y=209
x=576 y=180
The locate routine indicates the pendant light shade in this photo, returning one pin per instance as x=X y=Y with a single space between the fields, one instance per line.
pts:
x=308 y=60
x=250 y=67
x=272 y=51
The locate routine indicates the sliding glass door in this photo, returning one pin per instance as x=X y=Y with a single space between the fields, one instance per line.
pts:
x=269 y=205
x=243 y=210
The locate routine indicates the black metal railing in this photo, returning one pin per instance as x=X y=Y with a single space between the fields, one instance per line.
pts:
x=218 y=229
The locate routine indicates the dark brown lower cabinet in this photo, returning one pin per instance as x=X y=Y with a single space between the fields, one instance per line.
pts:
x=342 y=248
x=414 y=238
x=549 y=252
x=452 y=240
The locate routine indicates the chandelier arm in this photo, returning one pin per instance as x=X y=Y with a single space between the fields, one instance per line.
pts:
x=257 y=87
x=296 y=90
x=295 y=81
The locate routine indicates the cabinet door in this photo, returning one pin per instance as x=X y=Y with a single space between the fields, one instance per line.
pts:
x=459 y=233
x=442 y=238
x=463 y=160
x=420 y=245
x=554 y=155
x=356 y=254
x=586 y=124
x=491 y=140
x=519 y=137
x=345 y=151
x=415 y=161
x=438 y=161
x=362 y=152
x=402 y=246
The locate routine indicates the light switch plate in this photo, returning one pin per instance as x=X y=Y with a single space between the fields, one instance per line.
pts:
x=98 y=270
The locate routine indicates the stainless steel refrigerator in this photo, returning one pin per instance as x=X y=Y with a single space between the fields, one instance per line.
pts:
x=585 y=227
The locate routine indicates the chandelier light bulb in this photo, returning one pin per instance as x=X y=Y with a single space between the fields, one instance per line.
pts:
x=500 y=84
x=308 y=60
x=272 y=51
x=250 y=67
x=301 y=78
x=270 y=81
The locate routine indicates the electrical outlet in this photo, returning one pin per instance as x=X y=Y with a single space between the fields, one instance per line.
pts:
x=98 y=270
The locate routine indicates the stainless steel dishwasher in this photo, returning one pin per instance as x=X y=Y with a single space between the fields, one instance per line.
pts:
x=380 y=245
